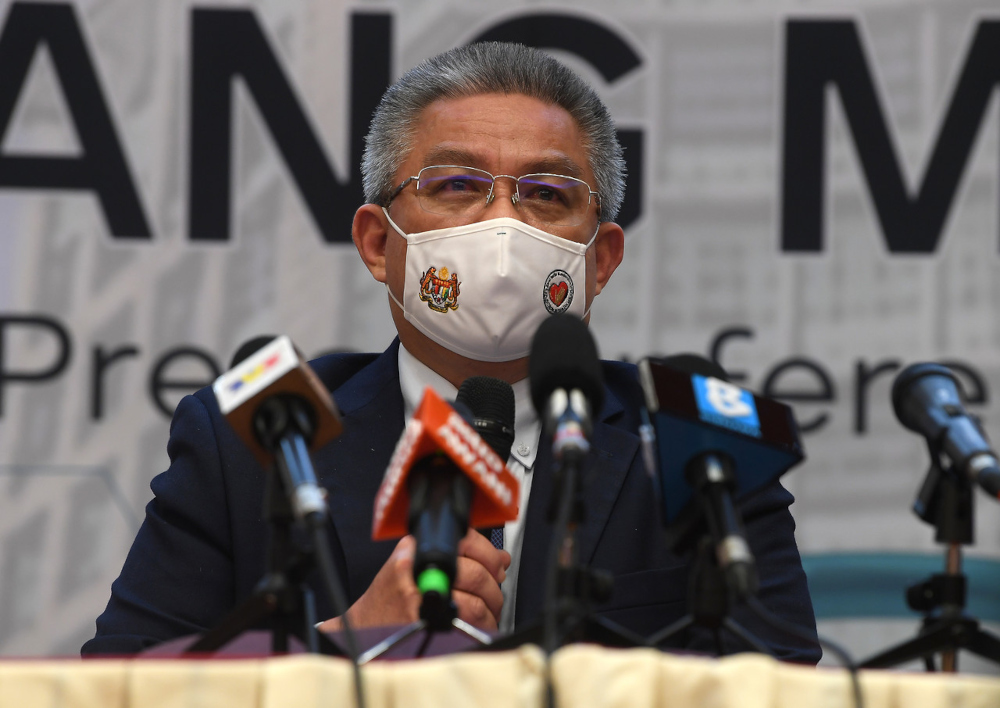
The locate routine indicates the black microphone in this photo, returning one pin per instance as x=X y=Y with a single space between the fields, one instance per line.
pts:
x=491 y=402
x=926 y=400
x=251 y=347
x=567 y=386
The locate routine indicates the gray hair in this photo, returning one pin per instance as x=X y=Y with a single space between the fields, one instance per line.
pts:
x=490 y=67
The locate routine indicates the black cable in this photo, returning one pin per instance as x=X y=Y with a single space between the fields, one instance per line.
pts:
x=845 y=658
x=335 y=593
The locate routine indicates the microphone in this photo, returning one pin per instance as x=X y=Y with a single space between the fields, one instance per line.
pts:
x=926 y=400
x=567 y=389
x=717 y=439
x=567 y=386
x=491 y=402
x=694 y=413
x=441 y=479
x=712 y=475
x=281 y=410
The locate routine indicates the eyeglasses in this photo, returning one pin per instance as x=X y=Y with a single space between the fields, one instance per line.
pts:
x=453 y=190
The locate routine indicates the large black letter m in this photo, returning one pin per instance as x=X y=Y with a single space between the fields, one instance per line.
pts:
x=820 y=53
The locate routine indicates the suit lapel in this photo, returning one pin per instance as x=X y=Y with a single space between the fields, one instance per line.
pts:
x=612 y=451
x=352 y=466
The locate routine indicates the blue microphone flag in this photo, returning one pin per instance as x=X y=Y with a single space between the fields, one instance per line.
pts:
x=693 y=414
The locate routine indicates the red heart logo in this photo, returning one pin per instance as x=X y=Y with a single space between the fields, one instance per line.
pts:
x=558 y=292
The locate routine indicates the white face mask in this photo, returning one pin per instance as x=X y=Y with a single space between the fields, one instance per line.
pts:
x=481 y=290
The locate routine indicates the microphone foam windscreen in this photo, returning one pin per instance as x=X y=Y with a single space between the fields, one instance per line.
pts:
x=251 y=347
x=492 y=404
x=564 y=355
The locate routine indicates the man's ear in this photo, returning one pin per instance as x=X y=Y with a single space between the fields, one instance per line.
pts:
x=609 y=249
x=369 y=232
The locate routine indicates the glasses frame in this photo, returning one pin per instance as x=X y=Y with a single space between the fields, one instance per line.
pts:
x=514 y=198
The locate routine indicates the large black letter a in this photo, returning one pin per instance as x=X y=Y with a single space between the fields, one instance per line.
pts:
x=101 y=168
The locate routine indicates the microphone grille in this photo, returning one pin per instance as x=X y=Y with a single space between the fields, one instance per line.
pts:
x=491 y=402
x=903 y=389
x=564 y=355
x=488 y=397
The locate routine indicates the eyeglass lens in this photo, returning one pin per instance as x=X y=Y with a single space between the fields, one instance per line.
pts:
x=548 y=199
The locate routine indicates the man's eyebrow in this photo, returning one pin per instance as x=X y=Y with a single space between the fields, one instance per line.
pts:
x=561 y=165
x=450 y=156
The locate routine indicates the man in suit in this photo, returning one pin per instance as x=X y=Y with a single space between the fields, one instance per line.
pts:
x=493 y=177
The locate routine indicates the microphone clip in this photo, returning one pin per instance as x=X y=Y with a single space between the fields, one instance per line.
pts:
x=280 y=416
x=945 y=500
x=568 y=416
x=713 y=477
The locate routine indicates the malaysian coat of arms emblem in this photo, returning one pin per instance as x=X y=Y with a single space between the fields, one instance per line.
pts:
x=439 y=290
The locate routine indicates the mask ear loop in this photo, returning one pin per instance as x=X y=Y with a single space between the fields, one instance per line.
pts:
x=400 y=232
x=403 y=234
x=393 y=298
x=589 y=244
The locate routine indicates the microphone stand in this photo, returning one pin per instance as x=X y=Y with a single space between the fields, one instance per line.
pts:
x=281 y=601
x=445 y=497
x=437 y=614
x=572 y=589
x=712 y=589
x=945 y=501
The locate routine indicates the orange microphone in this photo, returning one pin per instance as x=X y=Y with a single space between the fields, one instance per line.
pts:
x=442 y=478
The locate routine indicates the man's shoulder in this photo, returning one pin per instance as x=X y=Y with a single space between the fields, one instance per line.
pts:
x=619 y=372
x=357 y=379
x=336 y=368
x=621 y=381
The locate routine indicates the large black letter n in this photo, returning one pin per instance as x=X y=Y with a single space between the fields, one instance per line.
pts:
x=230 y=43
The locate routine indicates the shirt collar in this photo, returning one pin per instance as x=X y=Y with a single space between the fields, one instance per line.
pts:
x=415 y=376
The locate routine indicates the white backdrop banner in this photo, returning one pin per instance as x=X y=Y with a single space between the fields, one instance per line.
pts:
x=812 y=200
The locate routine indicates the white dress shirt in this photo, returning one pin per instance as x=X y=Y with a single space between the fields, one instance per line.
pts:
x=414 y=376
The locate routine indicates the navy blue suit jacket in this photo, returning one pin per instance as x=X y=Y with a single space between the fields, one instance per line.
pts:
x=200 y=550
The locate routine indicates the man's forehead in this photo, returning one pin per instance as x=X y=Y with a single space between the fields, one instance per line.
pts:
x=502 y=133
x=552 y=161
